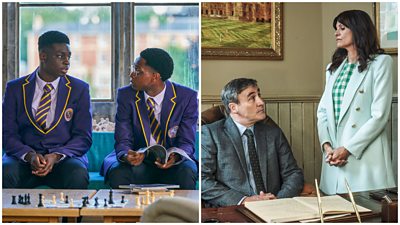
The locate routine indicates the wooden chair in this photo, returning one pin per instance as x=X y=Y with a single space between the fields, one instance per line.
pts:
x=218 y=112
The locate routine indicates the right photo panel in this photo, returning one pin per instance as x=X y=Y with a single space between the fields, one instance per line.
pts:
x=299 y=112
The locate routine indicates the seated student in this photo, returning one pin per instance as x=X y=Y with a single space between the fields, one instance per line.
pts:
x=47 y=123
x=174 y=118
x=243 y=158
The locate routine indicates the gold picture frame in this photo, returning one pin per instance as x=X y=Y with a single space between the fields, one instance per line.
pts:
x=386 y=13
x=237 y=11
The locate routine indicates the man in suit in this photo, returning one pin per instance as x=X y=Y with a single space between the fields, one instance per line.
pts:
x=175 y=116
x=47 y=123
x=243 y=158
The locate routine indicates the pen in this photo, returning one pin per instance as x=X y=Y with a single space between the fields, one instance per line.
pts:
x=352 y=200
x=321 y=215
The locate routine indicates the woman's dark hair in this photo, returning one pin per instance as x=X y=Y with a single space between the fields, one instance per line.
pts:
x=365 y=38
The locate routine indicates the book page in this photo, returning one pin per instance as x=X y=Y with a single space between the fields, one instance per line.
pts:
x=281 y=210
x=331 y=204
x=178 y=151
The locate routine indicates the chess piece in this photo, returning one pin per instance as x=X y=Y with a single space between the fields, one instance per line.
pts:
x=62 y=197
x=110 y=197
x=96 y=202
x=66 y=199
x=25 y=199
x=153 y=197
x=83 y=202
x=14 y=202
x=143 y=200
x=19 y=199
x=148 y=200
x=71 y=204
x=54 y=200
x=122 y=199
x=29 y=199
x=172 y=193
x=40 y=200
x=138 y=201
x=105 y=202
x=87 y=200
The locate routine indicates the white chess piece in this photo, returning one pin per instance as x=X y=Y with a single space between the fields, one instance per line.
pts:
x=62 y=197
x=54 y=200
x=71 y=203
x=138 y=201
x=172 y=193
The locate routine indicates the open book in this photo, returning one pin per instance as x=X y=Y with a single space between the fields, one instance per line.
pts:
x=300 y=208
x=161 y=153
x=151 y=187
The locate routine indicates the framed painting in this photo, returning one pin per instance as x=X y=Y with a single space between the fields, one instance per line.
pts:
x=386 y=19
x=242 y=30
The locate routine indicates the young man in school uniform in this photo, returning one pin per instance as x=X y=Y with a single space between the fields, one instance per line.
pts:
x=47 y=122
x=172 y=108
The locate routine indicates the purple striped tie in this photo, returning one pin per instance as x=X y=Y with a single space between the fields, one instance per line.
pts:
x=44 y=106
x=154 y=124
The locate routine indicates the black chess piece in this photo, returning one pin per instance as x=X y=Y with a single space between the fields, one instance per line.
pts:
x=19 y=199
x=105 y=202
x=25 y=199
x=28 y=199
x=96 y=201
x=14 y=201
x=83 y=202
x=66 y=199
x=87 y=200
x=40 y=201
x=110 y=197
x=122 y=199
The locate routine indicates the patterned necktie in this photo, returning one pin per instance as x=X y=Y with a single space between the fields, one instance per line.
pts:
x=44 y=106
x=154 y=124
x=255 y=164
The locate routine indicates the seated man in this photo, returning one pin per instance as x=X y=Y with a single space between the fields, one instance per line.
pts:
x=242 y=158
x=153 y=110
x=47 y=123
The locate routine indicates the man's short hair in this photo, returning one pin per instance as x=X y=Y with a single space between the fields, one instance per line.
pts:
x=160 y=61
x=232 y=89
x=52 y=37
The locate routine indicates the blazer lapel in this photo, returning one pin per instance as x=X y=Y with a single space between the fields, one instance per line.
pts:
x=330 y=110
x=28 y=89
x=63 y=94
x=351 y=89
x=233 y=133
x=261 y=143
x=168 y=106
x=143 y=115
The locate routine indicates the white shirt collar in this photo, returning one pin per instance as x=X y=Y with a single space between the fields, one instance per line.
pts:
x=41 y=82
x=242 y=128
x=158 y=98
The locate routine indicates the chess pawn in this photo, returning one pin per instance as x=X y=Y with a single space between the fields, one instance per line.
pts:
x=148 y=200
x=122 y=199
x=153 y=199
x=71 y=204
x=66 y=199
x=105 y=202
x=143 y=200
x=138 y=201
x=14 y=202
x=54 y=199
x=96 y=202
x=62 y=197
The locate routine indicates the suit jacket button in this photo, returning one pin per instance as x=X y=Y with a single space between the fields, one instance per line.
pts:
x=353 y=126
x=361 y=91
x=358 y=109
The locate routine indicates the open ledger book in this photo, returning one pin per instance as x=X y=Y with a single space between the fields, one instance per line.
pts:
x=300 y=208
x=161 y=153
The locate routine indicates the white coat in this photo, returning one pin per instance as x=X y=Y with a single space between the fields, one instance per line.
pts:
x=361 y=130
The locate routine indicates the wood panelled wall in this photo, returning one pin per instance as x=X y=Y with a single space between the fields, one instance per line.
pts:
x=297 y=118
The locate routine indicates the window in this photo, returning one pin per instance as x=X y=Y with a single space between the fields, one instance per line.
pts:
x=174 y=28
x=89 y=31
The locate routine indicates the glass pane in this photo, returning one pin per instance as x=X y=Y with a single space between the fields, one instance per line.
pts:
x=89 y=31
x=176 y=30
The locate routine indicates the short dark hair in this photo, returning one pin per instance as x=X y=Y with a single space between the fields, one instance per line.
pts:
x=51 y=37
x=365 y=38
x=159 y=60
x=232 y=89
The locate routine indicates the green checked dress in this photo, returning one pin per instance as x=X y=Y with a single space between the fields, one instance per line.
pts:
x=339 y=87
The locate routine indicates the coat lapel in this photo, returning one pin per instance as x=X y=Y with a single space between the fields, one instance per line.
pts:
x=168 y=106
x=28 y=90
x=63 y=94
x=261 y=143
x=141 y=108
x=330 y=110
x=351 y=89
x=233 y=133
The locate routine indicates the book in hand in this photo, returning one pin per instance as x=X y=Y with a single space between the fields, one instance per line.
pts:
x=150 y=187
x=161 y=153
x=300 y=208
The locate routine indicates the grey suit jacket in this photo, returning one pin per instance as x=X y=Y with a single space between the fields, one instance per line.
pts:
x=224 y=175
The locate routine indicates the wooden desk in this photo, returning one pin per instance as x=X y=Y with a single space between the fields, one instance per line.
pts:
x=130 y=212
x=234 y=213
x=32 y=213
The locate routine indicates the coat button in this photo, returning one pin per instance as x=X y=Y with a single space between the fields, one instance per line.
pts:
x=353 y=126
x=358 y=109
x=361 y=91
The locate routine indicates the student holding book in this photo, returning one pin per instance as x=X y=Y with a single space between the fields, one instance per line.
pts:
x=151 y=111
x=354 y=109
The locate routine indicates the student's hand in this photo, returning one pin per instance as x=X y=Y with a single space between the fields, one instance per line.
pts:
x=171 y=160
x=36 y=160
x=261 y=196
x=339 y=157
x=51 y=159
x=134 y=158
x=328 y=152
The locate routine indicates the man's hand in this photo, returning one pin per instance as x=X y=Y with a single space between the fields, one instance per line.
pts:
x=134 y=158
x=171 y=160
x=262 y=196
x=339 y=156
x=36 y=160
x=51 y=159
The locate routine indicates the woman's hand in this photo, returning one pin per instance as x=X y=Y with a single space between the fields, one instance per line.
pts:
x=339 y=157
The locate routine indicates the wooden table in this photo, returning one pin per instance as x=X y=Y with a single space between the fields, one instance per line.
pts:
x=32 y=213
x=130 y=212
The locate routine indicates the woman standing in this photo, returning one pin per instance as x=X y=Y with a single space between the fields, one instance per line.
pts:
x=354 y=109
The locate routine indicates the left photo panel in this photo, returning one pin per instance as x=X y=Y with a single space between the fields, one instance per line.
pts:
x=100 y=112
